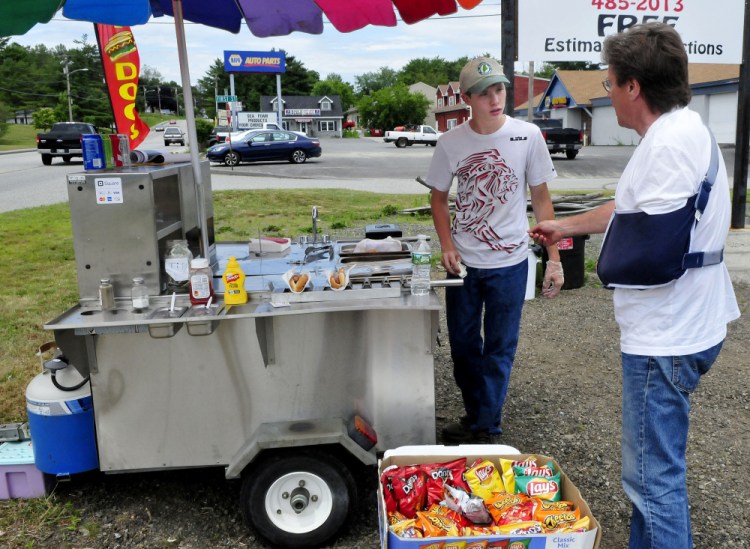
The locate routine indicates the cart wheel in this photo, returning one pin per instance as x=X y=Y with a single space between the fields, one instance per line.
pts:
x=298 y=500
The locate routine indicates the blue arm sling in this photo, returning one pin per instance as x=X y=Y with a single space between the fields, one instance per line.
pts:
x=645 y=251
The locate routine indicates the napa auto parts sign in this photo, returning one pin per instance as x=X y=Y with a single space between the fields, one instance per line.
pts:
x=255 y=61
x=574 y=30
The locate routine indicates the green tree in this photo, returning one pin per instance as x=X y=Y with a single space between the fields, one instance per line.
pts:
x=44 y=118
x=370 y=82
x=430 y=71
x=335 y=85
x=203 y=130
x=391 y=107
x=547 y=70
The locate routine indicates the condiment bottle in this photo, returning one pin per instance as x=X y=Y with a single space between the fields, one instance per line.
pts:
x=139 y=295
x=107 y=294
x=201 y=286
x=177 y=265
x=234 y=283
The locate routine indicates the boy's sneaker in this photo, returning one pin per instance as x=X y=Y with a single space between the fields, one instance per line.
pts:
x=458 y=432
x=485 y=437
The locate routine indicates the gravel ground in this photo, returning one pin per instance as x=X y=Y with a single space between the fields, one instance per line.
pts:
x=564 y=401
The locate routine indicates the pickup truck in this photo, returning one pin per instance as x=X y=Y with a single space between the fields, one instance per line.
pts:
x=559 y=139
x=64 y=139
x=407 y=136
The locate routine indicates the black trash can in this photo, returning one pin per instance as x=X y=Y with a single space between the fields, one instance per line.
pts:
x=572 y=256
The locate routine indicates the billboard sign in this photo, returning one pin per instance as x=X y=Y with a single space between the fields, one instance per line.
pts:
x=574 y=31
x=252 y=120
x=255 y=61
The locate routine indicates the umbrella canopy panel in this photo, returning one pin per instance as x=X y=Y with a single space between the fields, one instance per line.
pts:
x=263 y=17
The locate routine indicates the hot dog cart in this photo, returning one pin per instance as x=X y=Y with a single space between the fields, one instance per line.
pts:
x=287 y=385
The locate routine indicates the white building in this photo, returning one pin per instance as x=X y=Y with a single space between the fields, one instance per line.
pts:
x=578 y=98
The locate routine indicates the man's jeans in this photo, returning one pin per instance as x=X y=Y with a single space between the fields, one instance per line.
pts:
x=482 y=367
x=655 y=408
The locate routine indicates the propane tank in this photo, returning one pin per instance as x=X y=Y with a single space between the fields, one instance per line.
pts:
x=61 y=420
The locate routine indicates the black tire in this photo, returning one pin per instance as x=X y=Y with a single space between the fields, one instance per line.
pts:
x=46 y=159
x=401 y=142
x=298 y=156
x=297 y=500
x=67 y=159
x=433 y=144
x=571 y=154
x=231 y=158
x=182 y=143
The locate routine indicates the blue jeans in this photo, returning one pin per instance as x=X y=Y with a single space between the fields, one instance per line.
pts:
x=655 y=408
x=481 y=367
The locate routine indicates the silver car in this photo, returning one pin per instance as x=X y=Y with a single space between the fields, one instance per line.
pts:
x=173 y=135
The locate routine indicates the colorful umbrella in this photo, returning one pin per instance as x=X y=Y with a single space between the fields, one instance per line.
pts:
x=263 y=17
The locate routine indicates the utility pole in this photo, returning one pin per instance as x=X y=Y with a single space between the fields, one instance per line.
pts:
x=742 y=135
x=67 y=72
x=508 y=11
x=216 y=102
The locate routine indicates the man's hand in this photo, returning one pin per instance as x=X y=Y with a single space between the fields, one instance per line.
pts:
x=546 y=233
x=553 y=279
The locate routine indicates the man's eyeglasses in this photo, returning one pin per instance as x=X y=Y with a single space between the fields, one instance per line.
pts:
x=607 y=85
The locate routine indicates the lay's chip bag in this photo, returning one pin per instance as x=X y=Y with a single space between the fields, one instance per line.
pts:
x=484 y=479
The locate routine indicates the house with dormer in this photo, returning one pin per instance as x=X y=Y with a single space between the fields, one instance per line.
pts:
x=317 y=116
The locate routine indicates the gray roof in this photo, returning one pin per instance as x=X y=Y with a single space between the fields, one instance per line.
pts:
x=303 y=102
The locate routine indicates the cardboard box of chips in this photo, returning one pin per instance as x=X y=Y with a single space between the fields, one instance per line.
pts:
x=421 y=455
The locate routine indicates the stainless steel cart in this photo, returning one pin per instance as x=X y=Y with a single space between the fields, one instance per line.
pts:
x=271 y=386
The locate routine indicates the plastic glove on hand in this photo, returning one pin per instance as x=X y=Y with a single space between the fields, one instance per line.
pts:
x=553 y=279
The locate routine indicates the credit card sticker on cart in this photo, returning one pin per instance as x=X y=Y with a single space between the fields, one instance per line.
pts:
x=108 y=190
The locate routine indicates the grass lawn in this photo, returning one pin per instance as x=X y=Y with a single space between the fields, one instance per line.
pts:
x=18 y=136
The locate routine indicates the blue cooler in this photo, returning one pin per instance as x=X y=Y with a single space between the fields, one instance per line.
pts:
x=62 y=423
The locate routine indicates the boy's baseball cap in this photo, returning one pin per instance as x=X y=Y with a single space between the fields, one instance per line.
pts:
x=479 y=73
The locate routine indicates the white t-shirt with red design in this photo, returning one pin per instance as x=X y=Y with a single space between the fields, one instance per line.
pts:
x=492 y=174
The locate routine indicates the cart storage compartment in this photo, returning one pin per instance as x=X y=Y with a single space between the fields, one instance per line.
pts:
x=440 y=454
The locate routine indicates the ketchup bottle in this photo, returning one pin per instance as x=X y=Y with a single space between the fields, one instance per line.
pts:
x=201 y=287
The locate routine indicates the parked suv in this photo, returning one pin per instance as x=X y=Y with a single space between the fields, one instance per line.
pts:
x=173 y=135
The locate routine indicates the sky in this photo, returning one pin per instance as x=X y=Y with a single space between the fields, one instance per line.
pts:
x=465 y=33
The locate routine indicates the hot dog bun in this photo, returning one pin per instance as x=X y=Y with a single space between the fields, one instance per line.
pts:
x=338 y=279
x=298 y=282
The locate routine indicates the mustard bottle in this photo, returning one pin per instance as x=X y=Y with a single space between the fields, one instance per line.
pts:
x=234 y=283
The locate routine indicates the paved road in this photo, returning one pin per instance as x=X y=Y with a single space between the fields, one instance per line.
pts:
x=361 y=164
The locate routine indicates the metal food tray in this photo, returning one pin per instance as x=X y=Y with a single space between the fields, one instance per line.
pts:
x=347 y=254
x=287 y=298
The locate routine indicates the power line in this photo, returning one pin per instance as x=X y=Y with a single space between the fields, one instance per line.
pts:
x=30 y=93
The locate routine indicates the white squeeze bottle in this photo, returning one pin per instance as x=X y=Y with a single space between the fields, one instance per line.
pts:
x=421 y=257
